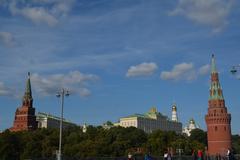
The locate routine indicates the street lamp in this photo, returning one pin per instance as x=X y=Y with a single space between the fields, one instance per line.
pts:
x=61 y=94
x=234 y=69
x=179 y=151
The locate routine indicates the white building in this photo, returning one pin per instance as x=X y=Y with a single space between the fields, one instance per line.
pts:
x=190 y=126
x=151 y=121
x=84 y=128
x=49 y=121
x=174 y=113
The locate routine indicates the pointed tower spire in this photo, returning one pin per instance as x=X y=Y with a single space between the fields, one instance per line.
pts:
x=215 y=87
x=213 y=65
x=28 y=90
x=27 y=98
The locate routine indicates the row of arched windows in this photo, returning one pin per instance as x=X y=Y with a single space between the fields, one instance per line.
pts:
x=216 y=128
x=219 y=120
x=219 y=103
x=22 y=112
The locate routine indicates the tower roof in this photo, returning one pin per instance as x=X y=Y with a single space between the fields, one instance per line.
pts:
x=153 y=110
x=213 y=65
x=28 y=90
x=191 y=121
x=174 y=106
x=215 y=87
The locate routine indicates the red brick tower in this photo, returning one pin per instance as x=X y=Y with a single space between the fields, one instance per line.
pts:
x=218 y=120
x=25 y=118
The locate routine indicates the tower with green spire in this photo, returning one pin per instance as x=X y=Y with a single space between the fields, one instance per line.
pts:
x=218 y=119
x=27 y=98
x=25 y=118
x=215 y=87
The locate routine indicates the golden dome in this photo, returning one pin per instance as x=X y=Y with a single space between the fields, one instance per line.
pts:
x=174 y=107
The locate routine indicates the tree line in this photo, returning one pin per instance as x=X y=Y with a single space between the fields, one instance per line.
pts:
x=100 y=142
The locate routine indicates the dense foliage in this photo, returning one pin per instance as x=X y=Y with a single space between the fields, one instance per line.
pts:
x=99 y=142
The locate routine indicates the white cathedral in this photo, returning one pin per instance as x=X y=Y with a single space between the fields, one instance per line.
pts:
x=190 y=126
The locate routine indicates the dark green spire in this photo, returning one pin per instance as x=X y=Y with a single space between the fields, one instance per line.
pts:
x=213 y=65
x=215 y=88
x=28 y=90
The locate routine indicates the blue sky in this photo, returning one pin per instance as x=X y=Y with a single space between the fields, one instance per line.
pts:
x=118 y=57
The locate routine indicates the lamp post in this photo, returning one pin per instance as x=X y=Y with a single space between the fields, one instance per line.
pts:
x=179 y=150
x=234 y=69
x=61 y=95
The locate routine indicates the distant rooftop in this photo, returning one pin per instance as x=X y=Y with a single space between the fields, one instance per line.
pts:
x=48 y=115
x=149 y=115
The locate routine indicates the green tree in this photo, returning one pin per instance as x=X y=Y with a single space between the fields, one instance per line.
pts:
x=50 y=143
x=159 y=141
x=10 y=145
x=236 y=144
x=199 y=136
x=32 y=144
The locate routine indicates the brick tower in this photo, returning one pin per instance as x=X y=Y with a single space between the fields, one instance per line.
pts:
x=25 y=118
x=218 y=120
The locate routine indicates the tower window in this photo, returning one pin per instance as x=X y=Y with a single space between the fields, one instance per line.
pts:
x=216 y=128
x=225 y=128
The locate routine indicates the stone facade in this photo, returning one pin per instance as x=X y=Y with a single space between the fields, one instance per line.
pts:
x=151 y=121
x=218 y=119
x=25 y=118
x=45 y=120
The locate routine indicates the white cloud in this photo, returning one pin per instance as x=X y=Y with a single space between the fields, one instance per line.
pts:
x=6 y=38
x=75 y=81
x=4 y=90
x=62 y=7
x=183 y=71
x=143 y=69
x=207 y=12
x=38 y=15
x=40 y=11
x=84 y=92
x=205 y=69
